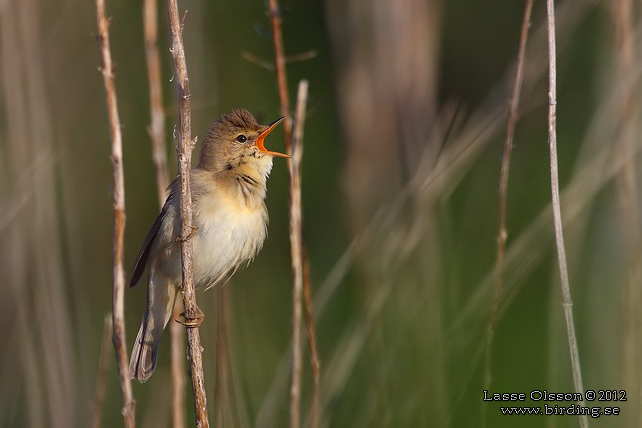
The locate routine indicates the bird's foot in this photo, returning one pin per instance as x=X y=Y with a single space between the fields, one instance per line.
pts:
x=192 y=321
x=189 y=235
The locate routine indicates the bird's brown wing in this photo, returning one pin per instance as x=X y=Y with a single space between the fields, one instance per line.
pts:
x=143 y=255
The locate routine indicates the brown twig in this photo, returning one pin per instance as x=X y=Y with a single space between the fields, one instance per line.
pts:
x=503 y=185
x=623 y=12
x=314 y=357
x=303 y=56
x=296 y=248
x=177 y=357
x=222 y=393
x=103 y=366
x=298 y=257
x=157 y=139
x=118 y=303
x=281 y=76
x=258 y=61
x=557 y=213
x=193 y=314
x=270 y=66
x=157 y=114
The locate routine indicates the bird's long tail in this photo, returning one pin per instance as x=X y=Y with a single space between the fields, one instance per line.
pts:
x=160 y=304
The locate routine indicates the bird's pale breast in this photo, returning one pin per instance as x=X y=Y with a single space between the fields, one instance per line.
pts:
x=227 y=235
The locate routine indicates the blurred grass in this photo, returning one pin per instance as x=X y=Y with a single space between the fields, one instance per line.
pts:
x=401 y=335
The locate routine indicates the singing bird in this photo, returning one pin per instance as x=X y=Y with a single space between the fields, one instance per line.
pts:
x=230 y=225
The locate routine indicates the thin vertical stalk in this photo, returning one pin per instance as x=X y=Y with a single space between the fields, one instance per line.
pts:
x=157 y=114
x=157 y=139
x=284 y=97
x=177 y=358
x=296 y=246
x=506 y=156
x=557 y=213
x=314 y=357
x=222 y=393
x=17 y=264
x=624 y=15
x=281 y=76
x=503 y=185
x=193 y=314
x=118 y=303
x=103 y=366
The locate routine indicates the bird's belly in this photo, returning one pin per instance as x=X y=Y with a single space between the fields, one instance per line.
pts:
x=225 y=238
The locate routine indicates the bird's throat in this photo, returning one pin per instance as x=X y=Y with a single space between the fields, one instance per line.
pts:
x=249 y=183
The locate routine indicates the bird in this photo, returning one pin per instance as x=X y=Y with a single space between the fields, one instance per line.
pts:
x=230 y=222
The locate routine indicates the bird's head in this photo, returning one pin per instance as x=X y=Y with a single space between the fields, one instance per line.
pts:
x=234 y=140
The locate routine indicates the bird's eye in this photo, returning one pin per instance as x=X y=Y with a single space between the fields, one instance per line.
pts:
x=241 y=138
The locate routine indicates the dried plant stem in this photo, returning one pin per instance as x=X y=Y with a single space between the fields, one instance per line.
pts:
x=157 y=138
x=222 y=393
x=314 y=357
x=193 y=314
x=623 y=12
x=177 y=357
x=557 y=213
x=298 y=256
x=103 y=366
x=281 y=75
x=118 y=304
x=503 y=185
x=157 y=114
x=296 y=246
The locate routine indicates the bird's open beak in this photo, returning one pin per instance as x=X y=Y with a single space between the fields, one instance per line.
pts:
x=261 y=138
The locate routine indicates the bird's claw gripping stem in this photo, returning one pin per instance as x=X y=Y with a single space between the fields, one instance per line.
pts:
x=189 y=236
x=192 y=322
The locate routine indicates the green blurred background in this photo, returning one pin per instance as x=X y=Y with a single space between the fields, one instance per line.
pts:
x=403 y=142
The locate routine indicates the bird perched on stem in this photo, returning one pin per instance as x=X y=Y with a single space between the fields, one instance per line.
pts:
x=230 y=224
